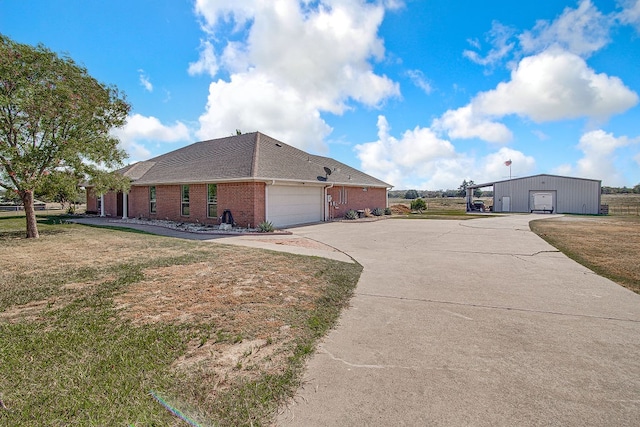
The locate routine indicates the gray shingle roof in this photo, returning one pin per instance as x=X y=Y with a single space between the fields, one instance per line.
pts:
x=247 y=157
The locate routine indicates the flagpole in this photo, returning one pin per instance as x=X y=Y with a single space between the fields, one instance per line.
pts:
x=508 y=163
x=510 y=192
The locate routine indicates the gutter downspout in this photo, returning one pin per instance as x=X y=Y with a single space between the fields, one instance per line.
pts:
x=326 y=202
x=102 y=205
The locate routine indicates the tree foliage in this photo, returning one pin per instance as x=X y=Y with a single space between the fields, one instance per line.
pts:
x=59 y=186
x=53 y=117
x=411 y=194
x=418 y=205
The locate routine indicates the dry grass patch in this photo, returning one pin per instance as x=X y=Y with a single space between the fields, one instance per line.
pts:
x=607 y=245
x=93 y=320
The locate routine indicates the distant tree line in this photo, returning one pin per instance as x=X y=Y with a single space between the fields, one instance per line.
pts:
x=621 y=190
x=461 y=191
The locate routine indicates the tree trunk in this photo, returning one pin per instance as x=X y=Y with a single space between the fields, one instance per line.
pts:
x=30 y=213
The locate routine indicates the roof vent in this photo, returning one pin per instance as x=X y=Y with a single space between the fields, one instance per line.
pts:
x=278 y=144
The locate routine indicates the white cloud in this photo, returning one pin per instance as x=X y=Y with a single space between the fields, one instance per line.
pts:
x=466 y=122
x=418 y=157
x=581 y=31
x=207 y=63
x=141 y=128
x=272 y=56
x=556 y=85
x=278 y=112
x=213 y=11
x=418 y=79
x=492 y=167
x=422 y=160
x=499 y=37
x=631 y=13
x=145 y=82
x=599 y=157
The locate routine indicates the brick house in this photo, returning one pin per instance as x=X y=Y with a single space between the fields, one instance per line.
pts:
x=255 y=177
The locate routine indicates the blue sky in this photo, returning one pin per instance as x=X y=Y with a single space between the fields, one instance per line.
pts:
x=419 y=93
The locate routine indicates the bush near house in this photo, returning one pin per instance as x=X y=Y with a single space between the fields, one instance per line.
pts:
x=351 y=214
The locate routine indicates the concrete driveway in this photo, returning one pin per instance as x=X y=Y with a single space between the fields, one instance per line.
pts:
x=471 y=323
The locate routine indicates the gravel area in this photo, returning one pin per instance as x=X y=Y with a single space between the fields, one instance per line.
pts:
x=188 y=226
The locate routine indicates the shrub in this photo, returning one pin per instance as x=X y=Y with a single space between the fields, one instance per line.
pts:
x=351 y=214
x=418 y=205
x=387 y=211
x=265 y=227
x=367 y=212
x=377 y=212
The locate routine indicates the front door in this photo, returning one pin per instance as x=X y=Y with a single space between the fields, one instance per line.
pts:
x=119 y=204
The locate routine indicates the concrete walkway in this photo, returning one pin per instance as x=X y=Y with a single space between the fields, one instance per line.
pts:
x=471 y=323
x=282 y=243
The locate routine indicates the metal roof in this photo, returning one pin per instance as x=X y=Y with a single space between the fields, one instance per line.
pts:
x=246 y=157
x=488 y=184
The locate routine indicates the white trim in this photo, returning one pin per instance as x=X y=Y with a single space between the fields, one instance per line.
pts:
x=102 y=205
x=268 y=181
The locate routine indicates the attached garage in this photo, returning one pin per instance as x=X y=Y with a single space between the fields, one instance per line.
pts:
x=294 y=204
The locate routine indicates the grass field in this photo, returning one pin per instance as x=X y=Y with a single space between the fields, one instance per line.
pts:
x=98 y=327
x=619 y=204
x=622 y=204
x=608 y=245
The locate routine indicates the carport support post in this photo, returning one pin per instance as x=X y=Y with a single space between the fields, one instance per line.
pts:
x=469 y=197
x=102 y=205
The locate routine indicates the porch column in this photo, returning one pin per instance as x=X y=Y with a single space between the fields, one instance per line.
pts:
x=102 y=205
x=125 y=205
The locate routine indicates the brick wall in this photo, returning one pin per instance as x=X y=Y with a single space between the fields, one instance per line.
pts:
x=356 y=199
x=110 y=204
x=92 y=200
x=245 y=200
x=139 y=202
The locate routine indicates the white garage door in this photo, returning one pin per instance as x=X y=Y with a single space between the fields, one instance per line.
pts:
x=290 y=205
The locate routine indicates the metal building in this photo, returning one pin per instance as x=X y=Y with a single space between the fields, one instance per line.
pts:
x=544 y=193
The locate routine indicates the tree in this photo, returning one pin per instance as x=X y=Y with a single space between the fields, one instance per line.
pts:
x=411 y=194
x=462 y=190
x=53 y=117
x=418 y=205
x=59 y=186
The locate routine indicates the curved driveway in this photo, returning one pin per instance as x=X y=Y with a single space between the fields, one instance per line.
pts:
x=475 y=322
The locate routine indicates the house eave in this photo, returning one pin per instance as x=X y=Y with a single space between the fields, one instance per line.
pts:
x=266 y=180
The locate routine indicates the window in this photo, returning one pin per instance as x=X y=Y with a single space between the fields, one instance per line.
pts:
x=212 y=200
x=185 y=201
x=99 y=204
x=152 y=199
x=343 y=196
